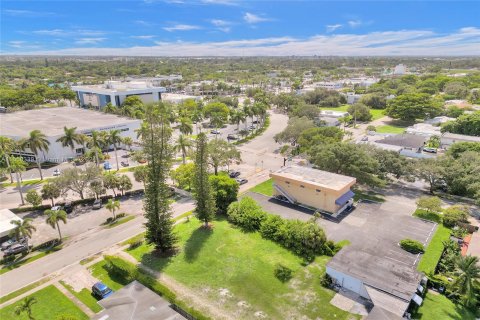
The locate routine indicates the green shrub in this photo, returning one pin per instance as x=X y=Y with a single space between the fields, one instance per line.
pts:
x=270 y=227
x=428 y=215
x=246 y=214
x=455 y=214
x=33 y=198
x=326 y=281
x=412 y=246
x=283 y=273
x=121 y=268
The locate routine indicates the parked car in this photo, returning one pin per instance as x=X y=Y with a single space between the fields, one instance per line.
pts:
x=107 y=166
x=242 y=181
x=251 y=128
x=97 y=204
x=430 y=150
x=68 y=207
x=101 y=291
x=124 y=163
x=7 y=244
x=15 y=249
x=232 y=137
x=214 y=131
x=233 y=174
x=56 y=172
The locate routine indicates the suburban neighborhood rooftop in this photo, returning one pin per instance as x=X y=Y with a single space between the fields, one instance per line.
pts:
x=316 y=177
x=52 y=120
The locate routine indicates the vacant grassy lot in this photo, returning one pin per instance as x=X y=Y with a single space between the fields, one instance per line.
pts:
x=51 y=303
x=439 y=307
x=389 y=128
x=434 y=250
x=265 y=188
x=376 y=113
x=235 y=271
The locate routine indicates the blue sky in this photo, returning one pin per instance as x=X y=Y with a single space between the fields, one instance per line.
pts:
x=231 y=27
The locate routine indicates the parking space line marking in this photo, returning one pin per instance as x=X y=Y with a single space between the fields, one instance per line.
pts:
x=397 y=260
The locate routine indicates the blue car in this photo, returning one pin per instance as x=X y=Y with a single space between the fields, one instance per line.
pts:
x=107 y=166
x=101 y=291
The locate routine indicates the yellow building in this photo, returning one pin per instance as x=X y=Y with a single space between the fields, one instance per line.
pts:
x=321 y=190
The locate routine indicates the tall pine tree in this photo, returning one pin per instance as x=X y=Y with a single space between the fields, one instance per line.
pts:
x=203 y=194
x=156 y=134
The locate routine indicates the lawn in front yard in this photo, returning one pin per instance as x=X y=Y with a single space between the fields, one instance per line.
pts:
x=265 y=188
x=376 y=113
x=85 y=295
x=439 y=307
x=434 y=251
x=51 y=303
x=389 y=128
x=98 y=271
x=235 y=271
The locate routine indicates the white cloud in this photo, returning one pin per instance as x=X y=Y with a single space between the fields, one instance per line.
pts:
x=354 y=23
x=181 y=27
x=144 y=23
x=89 y=40
x=22 y=45
x=465 y=41
x=333 y=27
x=221 y=2
x=143 y=37
x=27 y=13
x=67 y=33
x=252 y=18
x=221 y=25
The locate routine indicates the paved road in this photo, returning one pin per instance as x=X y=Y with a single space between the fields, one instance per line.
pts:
x=80 y=248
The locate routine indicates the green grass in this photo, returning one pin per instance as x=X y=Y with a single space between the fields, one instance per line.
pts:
x=265 y=188
x=439 y=307
x=434 y=250
x=15 y=294
x=427 y=215
x=368 y=195
x=19 y=263
x=183 y=215
x=98 y=271
x=85 y=296
x=389 y=128
x=51 y=303
x=119 y=222
x=244 y=263
x=376 y=113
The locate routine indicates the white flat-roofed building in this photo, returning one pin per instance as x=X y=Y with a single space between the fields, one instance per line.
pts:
x=115 y=92
x=330 y=85
x=5 y=226
x=447 y=139
x=333 y=114
x=51 y=121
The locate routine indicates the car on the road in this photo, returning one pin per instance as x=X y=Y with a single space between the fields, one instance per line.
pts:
x=241 y=181
x=15 y=249
x=68 y=207
x=10 y=242
x=214 y=131
x=56 y=172
x=56 y=208
x=101 y=291
x=107 y=166
x=124 y=163
x=97 y=204
x=233 y=174
x=430 y=150
x=232 y=137
x=251 y=128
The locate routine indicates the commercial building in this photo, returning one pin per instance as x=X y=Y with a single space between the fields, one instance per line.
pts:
x=115 y=92
x=317 y=189
x=51 y=121
x=5 y=226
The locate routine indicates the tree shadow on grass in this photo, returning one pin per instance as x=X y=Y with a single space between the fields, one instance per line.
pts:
x=195 y=243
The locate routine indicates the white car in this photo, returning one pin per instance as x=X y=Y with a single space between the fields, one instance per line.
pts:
x=56 y=172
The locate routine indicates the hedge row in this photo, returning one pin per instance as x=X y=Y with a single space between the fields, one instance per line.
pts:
x=128 y=272
x=305 y=239
x=412 y=246
x=258 y=132
x=75 y=202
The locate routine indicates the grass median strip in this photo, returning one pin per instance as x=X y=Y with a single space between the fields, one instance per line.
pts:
x=23 y=290
x=434 y=251
x=119 y=222
x=85 y=296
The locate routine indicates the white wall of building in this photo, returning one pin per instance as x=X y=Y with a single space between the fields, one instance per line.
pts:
x=348 y=282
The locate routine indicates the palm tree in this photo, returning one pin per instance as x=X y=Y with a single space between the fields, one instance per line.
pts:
x=128 y=141
x=468 y=277
x=23 y=228
x=6 y=146
x=115 y=138
x=96 y=143
x=70 y=137
x=110 y=108
x=236 y=117
x=53 y=219
x=183 y=145
x=185 y=126
x=26 y=307
x=18 y=165
x=36 y=142
x=113 y=205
